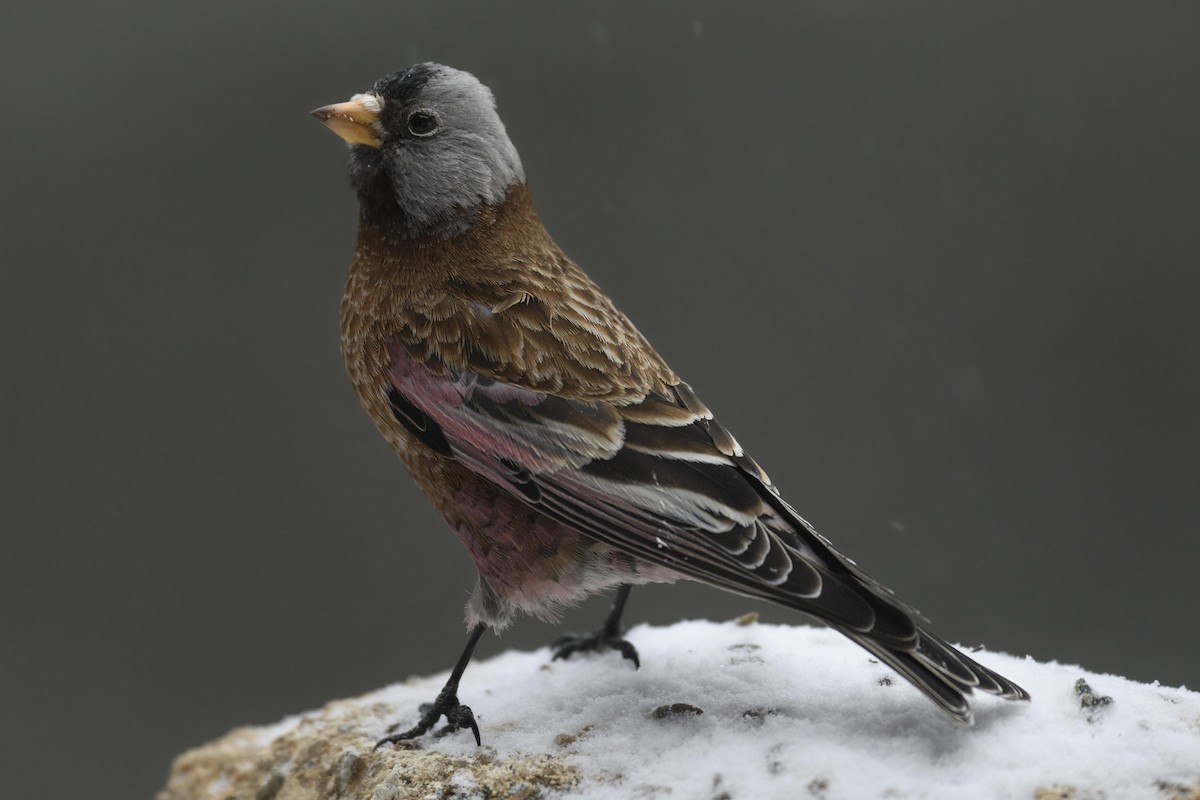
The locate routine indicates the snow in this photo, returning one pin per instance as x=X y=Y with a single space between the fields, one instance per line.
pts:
x=793 y=712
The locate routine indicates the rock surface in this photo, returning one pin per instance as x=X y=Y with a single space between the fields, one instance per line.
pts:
x=721 y=712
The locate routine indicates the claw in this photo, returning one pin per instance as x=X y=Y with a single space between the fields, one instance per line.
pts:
x=457 y=717
x=607 y=638
x=446 y=705
x=463 y=717
x=567 y=646
x=630 y=652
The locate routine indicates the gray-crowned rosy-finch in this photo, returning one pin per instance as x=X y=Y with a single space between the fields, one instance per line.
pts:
x=562 y=450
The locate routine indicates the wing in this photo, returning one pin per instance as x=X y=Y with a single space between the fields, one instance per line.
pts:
x=658 y=478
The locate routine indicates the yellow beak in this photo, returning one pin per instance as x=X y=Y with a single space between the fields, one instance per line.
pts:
x=355 y=120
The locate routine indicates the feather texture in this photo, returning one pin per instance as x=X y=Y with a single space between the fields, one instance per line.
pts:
x=563 y=451
x=520 y=372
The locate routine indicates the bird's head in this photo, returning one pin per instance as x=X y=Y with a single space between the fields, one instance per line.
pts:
x=427 y=149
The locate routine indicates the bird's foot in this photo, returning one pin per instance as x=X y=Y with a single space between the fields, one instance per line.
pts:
x=603 y=639
x=446 y=705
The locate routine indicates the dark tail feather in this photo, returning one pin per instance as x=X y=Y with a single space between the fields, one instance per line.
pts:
x=944 y=674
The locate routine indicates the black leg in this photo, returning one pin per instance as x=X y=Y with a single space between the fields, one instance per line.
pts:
x=446 y=705
x=607 y=638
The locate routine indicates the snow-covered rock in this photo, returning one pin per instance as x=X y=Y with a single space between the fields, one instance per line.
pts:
x=732 y=711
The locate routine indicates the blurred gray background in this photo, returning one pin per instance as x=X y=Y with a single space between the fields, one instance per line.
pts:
x=935 y=265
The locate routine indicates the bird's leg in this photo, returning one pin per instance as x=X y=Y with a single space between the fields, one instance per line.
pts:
x=607 y=638
x=446 y=704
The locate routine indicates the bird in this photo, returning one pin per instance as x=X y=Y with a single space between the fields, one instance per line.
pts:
x=564 y=453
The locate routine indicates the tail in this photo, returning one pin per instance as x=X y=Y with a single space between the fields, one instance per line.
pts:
x=892 y=630
x=946 y=675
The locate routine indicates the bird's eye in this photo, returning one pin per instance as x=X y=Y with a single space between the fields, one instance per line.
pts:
x=424 y=122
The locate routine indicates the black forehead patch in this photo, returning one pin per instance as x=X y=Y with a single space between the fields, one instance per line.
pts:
x=403 y=88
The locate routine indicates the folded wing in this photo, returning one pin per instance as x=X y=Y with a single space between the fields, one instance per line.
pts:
x=657 y=477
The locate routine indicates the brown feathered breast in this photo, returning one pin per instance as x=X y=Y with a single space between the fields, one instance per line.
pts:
x=504 y=302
